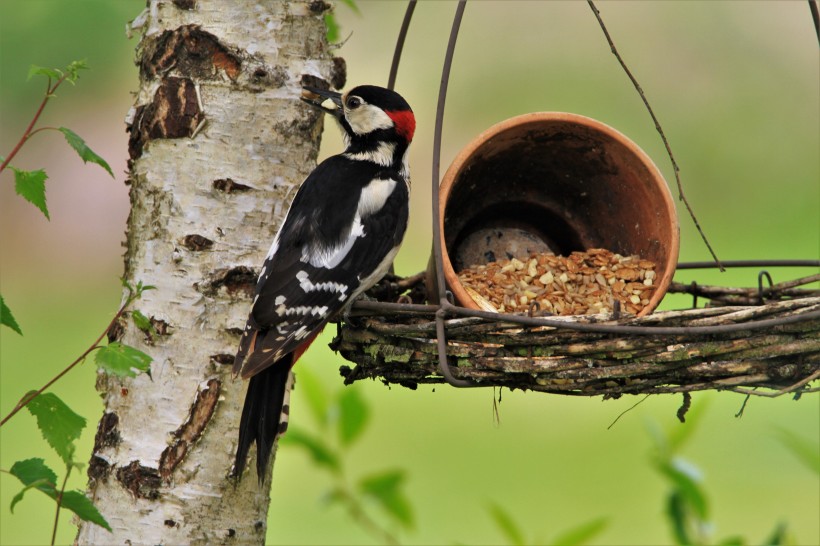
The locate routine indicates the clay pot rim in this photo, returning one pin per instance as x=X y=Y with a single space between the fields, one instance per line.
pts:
x=482 y=138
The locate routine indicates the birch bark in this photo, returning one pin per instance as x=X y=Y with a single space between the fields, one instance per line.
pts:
x=219 y=142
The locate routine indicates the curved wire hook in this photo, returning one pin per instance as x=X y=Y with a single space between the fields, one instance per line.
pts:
x=405 y=25
x=443 y=366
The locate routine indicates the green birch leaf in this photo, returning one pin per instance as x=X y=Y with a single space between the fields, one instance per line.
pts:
x=507 y=525
x=52 y=73
x=7 y=319
x=143 y=323
x=122 y=360
x=681 y=475
x=385 y=488
x=34 y=474
x=82 y=149
x=77 y=502
x=59 y=425
x=581 y=534
x=332 y=28
x=73 y=70
x=678 y=516
x=319 y=451
x=353 y=415
x=31 y=186
x=29 y=471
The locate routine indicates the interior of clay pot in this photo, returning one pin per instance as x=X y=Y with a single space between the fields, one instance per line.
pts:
x=555 y=182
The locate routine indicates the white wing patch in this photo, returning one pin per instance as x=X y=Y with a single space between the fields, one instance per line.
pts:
x=333 y=256
x=374 y=196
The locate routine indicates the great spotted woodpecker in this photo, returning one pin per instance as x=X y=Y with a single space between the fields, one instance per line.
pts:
x=339 y=237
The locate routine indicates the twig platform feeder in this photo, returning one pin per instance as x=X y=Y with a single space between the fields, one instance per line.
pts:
x=553 y=182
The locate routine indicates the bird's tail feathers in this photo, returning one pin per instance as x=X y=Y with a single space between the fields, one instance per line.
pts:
x=264 y=415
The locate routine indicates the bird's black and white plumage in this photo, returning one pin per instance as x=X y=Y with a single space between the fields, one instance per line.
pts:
x=339 y=237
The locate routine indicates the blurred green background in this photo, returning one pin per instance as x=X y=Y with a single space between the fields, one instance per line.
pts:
x=736 y=86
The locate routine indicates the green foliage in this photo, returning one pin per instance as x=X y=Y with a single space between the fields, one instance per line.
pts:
x=31 y=186
x=60 y=426
x=321 y=453
x=350 y=414
x=386 y=489
x=333 y=28
x=6 y=318
x=34 y=474
x=807 y=452
x=581 y=534
x=82 y=149
x=507 y=525
x=687 y=503
x=122 y=360
x=574 y=536
x=353 y=416
x=70 y=74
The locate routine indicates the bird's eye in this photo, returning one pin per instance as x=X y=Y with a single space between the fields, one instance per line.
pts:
x=353 y=103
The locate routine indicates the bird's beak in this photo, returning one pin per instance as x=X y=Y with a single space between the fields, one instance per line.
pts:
x=316 y=97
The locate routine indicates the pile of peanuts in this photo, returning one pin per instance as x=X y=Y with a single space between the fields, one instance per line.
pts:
x=582 y=283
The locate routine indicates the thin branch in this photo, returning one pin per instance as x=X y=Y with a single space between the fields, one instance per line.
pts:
x=358 y=514
x=59 y=500
x=627 y=410
x=675 y=167
x=28 y=132
x=26 y=399
x=781 y=392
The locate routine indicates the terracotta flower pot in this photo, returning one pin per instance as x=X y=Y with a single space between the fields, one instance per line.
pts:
x=559 y=182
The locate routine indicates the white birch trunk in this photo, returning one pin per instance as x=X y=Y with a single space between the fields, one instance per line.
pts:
x=219 y=143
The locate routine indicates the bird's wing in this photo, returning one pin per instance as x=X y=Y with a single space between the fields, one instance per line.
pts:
x=318 y=262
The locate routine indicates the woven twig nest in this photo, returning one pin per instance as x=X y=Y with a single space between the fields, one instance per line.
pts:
x=402 y=348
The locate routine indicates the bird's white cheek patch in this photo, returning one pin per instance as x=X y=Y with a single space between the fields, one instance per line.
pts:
x=368 y=118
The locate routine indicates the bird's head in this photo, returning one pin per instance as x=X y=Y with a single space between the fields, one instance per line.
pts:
x=367 y=112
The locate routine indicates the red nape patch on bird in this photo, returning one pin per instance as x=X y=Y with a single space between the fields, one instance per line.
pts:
x=405 y=123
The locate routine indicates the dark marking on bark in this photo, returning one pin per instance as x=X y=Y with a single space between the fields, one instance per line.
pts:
x=170 y=523
x=338 y=74
x=141 y=481
x=174 y=112
x=259 y=525
x=116 y=330
x=186 y=435
x=319 y=6
x=231 y=533
x=192 y=52
x=223 y=359
x=160 y=326
x=235 y=331
x=185 y=4
x=228 y=185
x=108 y=435
x=197 y=243
x=237 y=281
x=98 y=469
x=261 y=77
x=314 y=81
